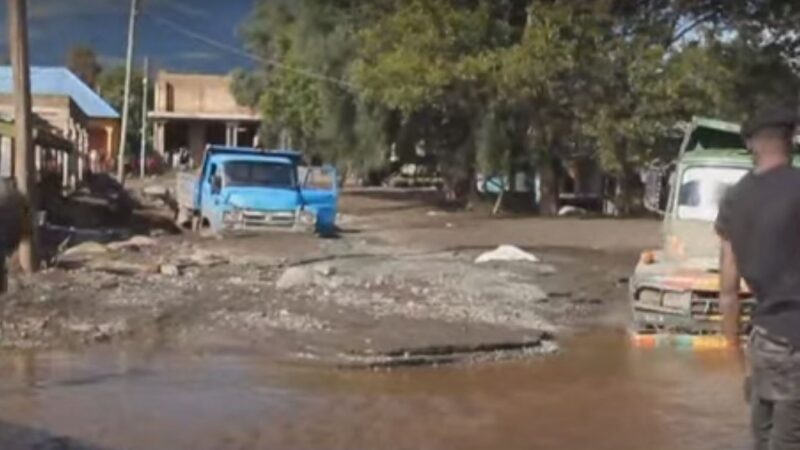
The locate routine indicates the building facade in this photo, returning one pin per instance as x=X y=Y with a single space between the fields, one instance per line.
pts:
x=73 y=110
x=194 y=110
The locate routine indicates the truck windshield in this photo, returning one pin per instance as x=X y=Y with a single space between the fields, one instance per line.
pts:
x=253 y=173
x=702 y=189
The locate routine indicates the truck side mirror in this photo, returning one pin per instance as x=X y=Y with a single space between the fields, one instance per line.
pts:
x=216 y=184
x=656 y=188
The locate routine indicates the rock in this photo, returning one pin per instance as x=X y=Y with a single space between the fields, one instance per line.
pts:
x=157 y=232
x=545 y=269
x=326 y=270
x=506 y=253
x=134 y=242
x=122 y=267
x=295 y=277
x=203 y=258
x=155 y=191
x=170 y=270
x=571 y=211
x=86 y=249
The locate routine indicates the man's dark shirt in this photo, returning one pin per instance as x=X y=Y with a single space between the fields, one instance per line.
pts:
x=760 y=216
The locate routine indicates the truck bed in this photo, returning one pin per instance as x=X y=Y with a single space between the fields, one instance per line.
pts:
x=186 y=190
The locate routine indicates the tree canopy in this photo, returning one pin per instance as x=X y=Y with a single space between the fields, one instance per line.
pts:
x=494 y=85
x=83 y=62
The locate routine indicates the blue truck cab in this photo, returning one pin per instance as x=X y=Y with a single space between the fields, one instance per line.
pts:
x=249 y=189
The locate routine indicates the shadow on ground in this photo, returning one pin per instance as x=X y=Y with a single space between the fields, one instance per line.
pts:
x=19 y=437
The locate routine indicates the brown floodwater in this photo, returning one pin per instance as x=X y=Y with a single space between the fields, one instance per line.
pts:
x=599 y=393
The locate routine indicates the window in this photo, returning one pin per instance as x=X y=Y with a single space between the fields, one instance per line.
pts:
x=265 y=174
x=702 y=189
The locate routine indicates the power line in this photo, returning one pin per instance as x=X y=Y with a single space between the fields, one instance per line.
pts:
x=231 y=49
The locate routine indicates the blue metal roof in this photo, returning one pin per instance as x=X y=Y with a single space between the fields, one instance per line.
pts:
x=290 y=155
x=61 y=81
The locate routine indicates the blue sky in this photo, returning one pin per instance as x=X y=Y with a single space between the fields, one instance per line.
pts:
x=57 y=25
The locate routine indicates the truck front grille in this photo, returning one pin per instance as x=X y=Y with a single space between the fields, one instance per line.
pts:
x=706 y=305
x=256 y=219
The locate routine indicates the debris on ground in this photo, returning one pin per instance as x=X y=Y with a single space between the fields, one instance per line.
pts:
x=86 y=249
x=170 y=270
x=136 y=242
x=299 y=295
x=294 y=277
x=506 y=253
x=572 y=211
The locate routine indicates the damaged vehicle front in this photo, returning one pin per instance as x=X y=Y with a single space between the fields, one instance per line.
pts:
x=676 y=289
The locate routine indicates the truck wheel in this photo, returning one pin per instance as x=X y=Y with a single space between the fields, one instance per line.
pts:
x=183 y=218
x=197 y=223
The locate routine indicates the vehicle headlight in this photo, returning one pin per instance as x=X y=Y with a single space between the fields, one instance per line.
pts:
x=306 y=217
x=233 y=215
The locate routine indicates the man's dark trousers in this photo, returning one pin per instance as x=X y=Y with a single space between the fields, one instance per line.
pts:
x=775 y=392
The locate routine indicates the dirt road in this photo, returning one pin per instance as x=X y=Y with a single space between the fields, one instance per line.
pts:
x=185 y=342
x=399 y=284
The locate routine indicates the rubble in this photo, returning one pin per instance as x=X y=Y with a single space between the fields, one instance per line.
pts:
x=86 y=249
x=170 y=270
x=119 y=267
x=136 y=242
x=506 y=253
x=294 y=277
x=572 y=211
x=155 y=191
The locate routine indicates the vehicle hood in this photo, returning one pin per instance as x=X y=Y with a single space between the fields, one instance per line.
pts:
x=693 y=242
x=261 y=198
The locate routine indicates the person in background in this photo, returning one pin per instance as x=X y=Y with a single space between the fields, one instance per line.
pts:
x=183 y=158
x=759 y=227
x=11 y=214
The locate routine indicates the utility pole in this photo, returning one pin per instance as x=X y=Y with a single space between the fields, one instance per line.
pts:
x=127 y=99
x=143 y=144
x=24 y=165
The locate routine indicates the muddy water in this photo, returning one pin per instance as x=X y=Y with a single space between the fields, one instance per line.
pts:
x=598 y=394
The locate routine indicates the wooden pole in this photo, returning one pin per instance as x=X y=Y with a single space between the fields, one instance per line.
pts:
x=24 y=170
x=143 y=138
x=126 y=100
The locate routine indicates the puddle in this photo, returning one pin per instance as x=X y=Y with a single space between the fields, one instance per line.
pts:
x=599 y=393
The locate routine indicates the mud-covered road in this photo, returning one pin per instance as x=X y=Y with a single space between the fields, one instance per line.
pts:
x=399 y=285
x=187 y=342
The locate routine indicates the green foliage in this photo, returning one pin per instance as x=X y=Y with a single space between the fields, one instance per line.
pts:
x=502 y=84
x=82 y=61
x=318 y=113
x=111 y=86
x=427 y=54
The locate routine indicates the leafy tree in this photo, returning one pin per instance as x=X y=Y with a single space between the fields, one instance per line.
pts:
x=111 y=86
x=507 y=84
x=302 y=89
x=426 y=59
x=82 y=60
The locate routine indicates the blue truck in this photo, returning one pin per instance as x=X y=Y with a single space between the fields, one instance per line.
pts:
x=248 y=189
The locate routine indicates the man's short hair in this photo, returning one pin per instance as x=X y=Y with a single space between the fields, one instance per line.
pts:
x=779 y=117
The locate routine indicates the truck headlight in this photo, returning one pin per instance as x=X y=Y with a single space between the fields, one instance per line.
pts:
x=306 y=217
x=233 y=215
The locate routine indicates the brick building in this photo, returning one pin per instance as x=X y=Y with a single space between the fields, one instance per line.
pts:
x=193 y=110
x=71 y=108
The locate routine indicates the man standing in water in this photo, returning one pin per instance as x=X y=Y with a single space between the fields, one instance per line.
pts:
x=759 y=225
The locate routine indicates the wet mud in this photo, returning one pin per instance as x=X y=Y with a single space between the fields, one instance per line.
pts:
x=599 y=392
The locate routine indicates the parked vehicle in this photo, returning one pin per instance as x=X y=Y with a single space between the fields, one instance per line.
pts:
x=249 y=189
x=676 y=289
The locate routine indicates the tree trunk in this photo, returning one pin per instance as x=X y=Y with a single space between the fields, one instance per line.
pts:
x=548 y=187
x=623 y=197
